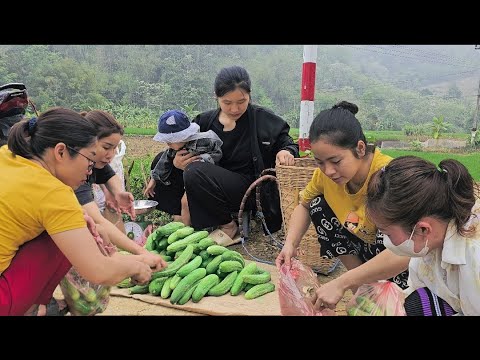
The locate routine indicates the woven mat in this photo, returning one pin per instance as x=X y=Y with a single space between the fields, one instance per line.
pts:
x=267 y=304
x=232 y=305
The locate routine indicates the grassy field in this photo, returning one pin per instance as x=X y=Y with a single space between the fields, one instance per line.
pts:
x=396 y=135
x=377 y=135
x=399 y=135
x=470 y=161
x=139 y=131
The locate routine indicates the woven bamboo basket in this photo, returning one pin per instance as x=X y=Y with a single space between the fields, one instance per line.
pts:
x=293 y=179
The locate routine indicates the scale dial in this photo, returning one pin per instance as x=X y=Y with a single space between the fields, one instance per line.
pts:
x=133 y=230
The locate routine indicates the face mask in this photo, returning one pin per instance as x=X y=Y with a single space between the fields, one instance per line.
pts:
x=406 y=248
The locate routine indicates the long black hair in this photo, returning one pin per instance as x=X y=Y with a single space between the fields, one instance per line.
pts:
x=231 y=78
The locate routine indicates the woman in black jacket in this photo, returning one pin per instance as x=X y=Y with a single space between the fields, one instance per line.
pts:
x=254 y=139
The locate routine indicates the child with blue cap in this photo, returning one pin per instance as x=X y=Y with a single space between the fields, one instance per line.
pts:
x=176 y=130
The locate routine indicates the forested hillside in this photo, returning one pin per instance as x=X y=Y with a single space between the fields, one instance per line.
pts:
x=393 y=85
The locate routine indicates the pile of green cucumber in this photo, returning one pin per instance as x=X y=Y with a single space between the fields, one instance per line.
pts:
x=198 y=267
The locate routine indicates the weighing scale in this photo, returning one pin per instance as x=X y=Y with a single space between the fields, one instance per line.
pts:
x=136 y=230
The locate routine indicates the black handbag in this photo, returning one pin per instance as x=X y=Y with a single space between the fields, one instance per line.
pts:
x=270 y=200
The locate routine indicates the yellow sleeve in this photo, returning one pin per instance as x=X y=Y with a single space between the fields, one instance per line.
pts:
x=61 y=211
x=314 y=187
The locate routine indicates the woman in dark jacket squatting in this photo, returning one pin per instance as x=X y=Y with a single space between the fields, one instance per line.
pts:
x=254 y=139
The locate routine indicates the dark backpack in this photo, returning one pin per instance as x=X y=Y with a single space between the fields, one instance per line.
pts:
x=13 y=105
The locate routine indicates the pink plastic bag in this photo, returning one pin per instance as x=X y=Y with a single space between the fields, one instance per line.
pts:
x=142 y=240
x=296 y=289
x=383 y=298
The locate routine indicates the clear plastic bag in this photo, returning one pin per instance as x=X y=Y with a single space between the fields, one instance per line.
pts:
x=83 y=297
x=383 y=298
x=99 y=197
x=296 y=290
x=117 y=162
x=117 y=165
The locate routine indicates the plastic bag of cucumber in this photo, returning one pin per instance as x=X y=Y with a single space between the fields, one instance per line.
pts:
x=383 y=298
x=83 y=297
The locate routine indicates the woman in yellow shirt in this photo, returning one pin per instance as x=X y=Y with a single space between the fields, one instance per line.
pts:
x=334 y=199
x=43 y=231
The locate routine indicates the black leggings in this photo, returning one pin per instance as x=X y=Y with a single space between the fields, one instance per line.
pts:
x=169 y=196
x=213 y=193
x=335 y=240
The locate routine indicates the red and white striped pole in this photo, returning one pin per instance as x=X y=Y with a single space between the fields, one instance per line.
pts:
x=308 y=93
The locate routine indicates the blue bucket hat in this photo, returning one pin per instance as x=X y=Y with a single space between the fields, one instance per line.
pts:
x=174 y=126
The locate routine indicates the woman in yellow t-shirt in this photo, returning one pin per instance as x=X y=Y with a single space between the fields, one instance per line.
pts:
x=43 y=231
x=334 y=199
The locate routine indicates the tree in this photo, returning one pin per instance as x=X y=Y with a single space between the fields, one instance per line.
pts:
x=426 y=92
x=439 y=127
x=149 y=79
x=454 y=92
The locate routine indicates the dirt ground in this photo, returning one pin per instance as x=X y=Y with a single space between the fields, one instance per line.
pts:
x=139 y=146
x=258 y=245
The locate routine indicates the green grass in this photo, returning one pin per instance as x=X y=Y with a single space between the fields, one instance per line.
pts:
x=294 y=133
x=139 y=131
x=377 y=135
x=396 y=135
x=385 y=135
x=469 y=160
x=399 y=135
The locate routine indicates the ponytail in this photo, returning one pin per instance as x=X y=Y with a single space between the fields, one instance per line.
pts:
x=30 y=138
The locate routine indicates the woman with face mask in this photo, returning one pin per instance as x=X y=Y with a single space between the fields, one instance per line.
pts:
x=334 y=199
x=430 y=218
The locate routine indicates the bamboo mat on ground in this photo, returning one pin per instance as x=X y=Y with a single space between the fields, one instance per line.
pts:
x=266 y=305
x=226 y=305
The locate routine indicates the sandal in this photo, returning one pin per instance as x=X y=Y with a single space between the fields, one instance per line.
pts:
x=53 y=309
x=223 y=239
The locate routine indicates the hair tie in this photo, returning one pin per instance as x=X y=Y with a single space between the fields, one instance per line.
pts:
x=442 y=170
x=32 y=125
x=383 y=169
